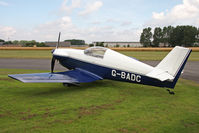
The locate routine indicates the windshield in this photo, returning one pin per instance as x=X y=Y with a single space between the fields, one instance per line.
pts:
x=95 y=51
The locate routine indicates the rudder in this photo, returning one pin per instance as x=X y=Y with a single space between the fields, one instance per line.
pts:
x=174 y=63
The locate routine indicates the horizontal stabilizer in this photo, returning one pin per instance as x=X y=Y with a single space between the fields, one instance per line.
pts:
x=73 y=76
x=160 y=75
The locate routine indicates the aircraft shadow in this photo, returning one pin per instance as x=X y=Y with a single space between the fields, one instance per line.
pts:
x=62 y=89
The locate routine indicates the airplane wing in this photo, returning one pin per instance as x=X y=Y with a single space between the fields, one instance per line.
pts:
x=73 y=76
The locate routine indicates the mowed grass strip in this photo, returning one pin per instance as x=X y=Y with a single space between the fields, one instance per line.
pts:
x=102 y=106
x=46 y=54
x=37 y=54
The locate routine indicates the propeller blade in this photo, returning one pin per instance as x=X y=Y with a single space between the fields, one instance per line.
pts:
x=58 y=40
x=52 y=64
x=53 y=58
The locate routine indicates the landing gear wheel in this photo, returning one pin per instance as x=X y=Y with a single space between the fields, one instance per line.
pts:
x=171 y=92
x=69 y=85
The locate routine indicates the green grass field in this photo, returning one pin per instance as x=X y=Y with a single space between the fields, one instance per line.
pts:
x=141 y=55
x=102 y=106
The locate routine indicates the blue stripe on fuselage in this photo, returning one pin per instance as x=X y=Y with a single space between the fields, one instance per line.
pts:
x=111 y=73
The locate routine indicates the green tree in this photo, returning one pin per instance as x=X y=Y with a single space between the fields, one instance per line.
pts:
x=15 y=42
x=157 y=37
x=101 y=44
x=146 y=36
x=184 y=36
x=166 y=35
x=91 y=45
x=1 y=40
x=197 y=37
x=190 y=33
x=30 y=43
x=41 y=44
x=7 y=42
x=23 y=42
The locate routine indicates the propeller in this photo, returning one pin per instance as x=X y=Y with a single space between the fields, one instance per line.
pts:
x=58 y=40
x=52 y=64
x=53 y=58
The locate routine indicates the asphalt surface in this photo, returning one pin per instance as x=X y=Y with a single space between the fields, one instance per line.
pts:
x=191 y=71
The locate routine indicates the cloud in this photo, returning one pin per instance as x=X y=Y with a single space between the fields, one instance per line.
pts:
x=126 y=23
x=68 y=5
x=96 y=22
x=49 y=32
x=43 y=32
x=185 y=13
x=7 y=32
x=90 y=8
x=96 y=31
x=112 y=20
x=2 y=3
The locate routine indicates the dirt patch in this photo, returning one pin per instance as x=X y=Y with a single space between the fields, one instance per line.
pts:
x=123 y=130
x=36 y=127
x=186 y=125
x=22 y=113
x=1 y=115
x=93 y=109
x=47 y=114
x=83 y=111
x=119 y=100
x=28 y=117
x=61 y=121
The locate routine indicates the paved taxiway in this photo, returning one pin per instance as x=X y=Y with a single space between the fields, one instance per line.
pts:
x=191 y=71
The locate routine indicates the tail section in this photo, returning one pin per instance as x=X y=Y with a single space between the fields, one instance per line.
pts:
x=174 y=60
x=170 y=68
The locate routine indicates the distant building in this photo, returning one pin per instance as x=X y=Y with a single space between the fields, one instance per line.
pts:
x=62 y=44
x=120 y=44
x=1 y=43
x=79 y=45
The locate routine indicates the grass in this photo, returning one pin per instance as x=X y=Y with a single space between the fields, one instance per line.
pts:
x=155 y=55
x=46 y=54
x=101 y=106
x=43 y=54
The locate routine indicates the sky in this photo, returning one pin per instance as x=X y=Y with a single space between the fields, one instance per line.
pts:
x=91 y=20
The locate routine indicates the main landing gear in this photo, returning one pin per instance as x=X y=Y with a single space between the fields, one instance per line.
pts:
x=70 y=84
x=171 y=92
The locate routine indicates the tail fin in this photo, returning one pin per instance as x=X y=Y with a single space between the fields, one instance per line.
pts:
x=171 y=66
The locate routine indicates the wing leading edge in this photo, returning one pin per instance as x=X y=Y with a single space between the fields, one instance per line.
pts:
x=73 y=76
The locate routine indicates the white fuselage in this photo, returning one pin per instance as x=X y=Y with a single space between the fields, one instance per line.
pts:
x=111 y=59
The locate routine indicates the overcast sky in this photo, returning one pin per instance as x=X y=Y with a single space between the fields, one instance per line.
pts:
x=91 y=20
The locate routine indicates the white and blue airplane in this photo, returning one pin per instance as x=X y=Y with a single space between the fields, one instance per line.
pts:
x=97 y=63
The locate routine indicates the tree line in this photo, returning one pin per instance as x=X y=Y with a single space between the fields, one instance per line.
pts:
x=23 y=43
x=76 y=42
x=32 y=43
x=187 y=36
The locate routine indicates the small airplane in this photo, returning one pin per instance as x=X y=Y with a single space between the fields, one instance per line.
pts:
x=97 y=63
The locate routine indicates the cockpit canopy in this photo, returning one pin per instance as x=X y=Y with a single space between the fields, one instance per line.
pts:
x=95 y=51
